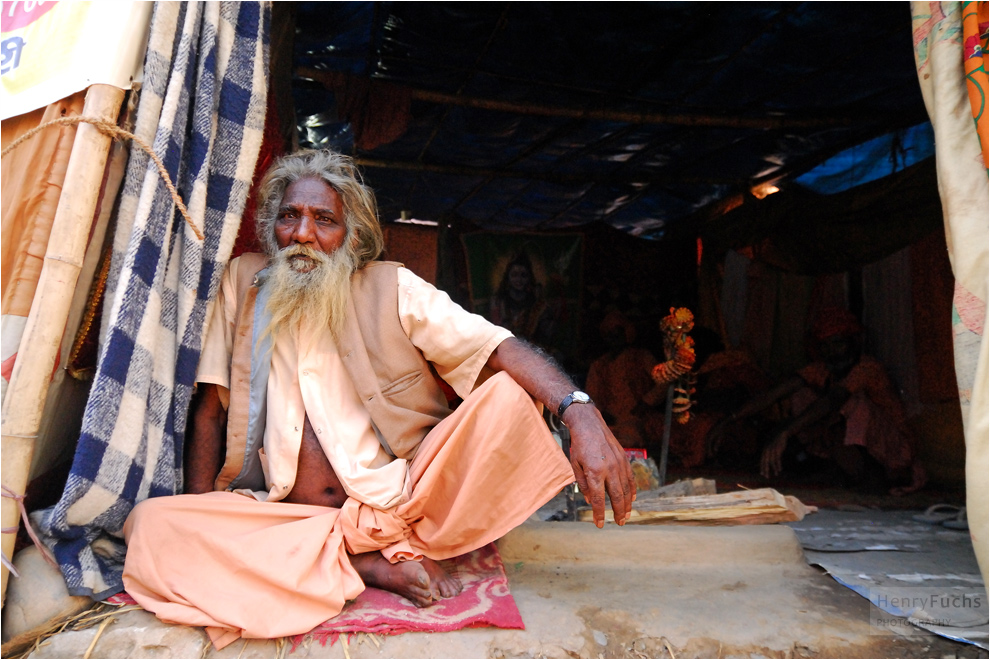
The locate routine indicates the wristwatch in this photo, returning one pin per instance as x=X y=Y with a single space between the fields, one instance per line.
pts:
x=574 y=397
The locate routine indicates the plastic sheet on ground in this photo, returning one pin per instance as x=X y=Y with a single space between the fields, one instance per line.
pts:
x=923 y=574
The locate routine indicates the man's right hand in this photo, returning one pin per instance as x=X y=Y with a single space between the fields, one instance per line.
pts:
x=771 y=462
x=715 y=435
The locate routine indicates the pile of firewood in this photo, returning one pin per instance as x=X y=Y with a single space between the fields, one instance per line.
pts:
x=695 y=502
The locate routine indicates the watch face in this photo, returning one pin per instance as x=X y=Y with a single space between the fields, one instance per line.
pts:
x=581 y=397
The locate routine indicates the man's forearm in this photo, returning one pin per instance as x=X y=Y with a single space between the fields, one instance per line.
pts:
x=599 y=462
x=817 y=411
x=205 y=440
x=767 y=398
x=534 y=371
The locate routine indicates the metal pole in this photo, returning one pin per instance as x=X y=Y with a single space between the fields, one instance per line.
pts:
x=668 y=418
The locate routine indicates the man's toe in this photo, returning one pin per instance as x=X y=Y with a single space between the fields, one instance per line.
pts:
x=421 y=596
x=422 y=601
x=451 y=587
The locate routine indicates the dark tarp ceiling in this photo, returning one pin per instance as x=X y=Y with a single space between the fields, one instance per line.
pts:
x=534 y=116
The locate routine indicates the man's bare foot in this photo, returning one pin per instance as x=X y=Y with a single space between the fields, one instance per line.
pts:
x=919 y=477
x=421 y=582
x=407 y=578
x=441 y=581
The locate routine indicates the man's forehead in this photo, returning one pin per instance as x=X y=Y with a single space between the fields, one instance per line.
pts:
x=310 y=191
x=299 y=202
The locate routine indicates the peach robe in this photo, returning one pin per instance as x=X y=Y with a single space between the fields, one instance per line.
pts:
x=265 y=569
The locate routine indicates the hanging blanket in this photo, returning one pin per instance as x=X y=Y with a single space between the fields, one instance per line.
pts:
x=202 y=107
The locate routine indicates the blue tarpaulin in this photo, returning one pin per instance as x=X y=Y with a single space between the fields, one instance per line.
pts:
x=872 y=160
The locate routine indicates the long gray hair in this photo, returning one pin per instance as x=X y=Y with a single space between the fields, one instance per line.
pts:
x=360 y=209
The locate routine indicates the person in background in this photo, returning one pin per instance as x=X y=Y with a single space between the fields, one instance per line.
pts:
x=724 y=380
x=619 y=381
x=844 y=409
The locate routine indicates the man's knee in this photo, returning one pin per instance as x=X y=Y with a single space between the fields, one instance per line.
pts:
x=155 y=509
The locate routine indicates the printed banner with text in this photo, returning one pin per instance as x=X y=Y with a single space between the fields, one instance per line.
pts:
x=50 y=50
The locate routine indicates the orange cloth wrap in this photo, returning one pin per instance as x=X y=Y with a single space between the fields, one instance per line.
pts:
x=253 y=569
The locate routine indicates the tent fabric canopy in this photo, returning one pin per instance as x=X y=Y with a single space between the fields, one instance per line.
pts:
x=534 y=116
x=872 y=160
x=801 y=231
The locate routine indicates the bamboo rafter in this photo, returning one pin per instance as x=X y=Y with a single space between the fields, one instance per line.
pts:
x=679 y=119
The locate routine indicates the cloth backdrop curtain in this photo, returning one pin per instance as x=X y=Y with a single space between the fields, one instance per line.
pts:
x=202 y=107
x=950 y=44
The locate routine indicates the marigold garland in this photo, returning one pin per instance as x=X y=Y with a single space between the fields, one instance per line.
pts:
x=678 y=348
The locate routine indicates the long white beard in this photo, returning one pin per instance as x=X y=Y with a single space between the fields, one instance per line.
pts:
x=317 y=296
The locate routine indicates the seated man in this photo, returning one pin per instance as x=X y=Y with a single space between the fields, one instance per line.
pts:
x=321 y=455
x=725 y=379
x=844 y=410
x=620 y=383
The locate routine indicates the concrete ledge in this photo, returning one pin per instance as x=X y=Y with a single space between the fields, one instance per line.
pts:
x=621 y=592
x=653 y=545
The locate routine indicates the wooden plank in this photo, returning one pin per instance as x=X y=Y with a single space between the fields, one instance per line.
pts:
x=747 y=507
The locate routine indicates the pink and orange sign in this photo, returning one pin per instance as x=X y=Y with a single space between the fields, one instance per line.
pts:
x=52 y=49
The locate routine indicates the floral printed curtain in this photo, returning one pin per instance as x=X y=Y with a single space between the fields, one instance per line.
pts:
x=950 y=44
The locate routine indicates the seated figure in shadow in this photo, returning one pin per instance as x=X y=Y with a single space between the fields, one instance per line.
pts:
x=843 y=410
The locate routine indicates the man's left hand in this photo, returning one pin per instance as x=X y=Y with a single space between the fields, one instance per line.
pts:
x=598 y=460
x=600 y=464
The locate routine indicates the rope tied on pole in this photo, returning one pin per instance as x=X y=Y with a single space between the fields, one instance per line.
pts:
x=45 y=552
x=115 y=131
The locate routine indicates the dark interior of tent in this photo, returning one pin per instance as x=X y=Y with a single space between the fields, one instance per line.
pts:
x=755 y=163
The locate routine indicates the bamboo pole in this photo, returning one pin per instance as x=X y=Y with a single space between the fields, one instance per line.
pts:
x=638 y=118
x=39 y=347
x=767 y=122
x=564 y=179
x=668 y=419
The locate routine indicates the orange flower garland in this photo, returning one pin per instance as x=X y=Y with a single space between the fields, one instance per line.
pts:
x=679 y=350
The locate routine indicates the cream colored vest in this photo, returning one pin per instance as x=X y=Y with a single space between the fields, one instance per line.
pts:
x=395 y=382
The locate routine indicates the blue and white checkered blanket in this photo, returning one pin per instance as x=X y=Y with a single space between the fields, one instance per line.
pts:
x=202 y=107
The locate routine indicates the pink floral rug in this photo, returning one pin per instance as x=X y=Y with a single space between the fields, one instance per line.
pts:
x=485 y=602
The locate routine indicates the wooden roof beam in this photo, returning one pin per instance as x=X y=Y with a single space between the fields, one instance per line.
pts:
x=643 y=118
x=498 y=173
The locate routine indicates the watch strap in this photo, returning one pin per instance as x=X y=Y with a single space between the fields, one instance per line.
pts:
x=569 y=399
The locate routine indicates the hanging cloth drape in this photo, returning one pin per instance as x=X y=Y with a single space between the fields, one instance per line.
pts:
x=949 y=42
x=32 y=183
x=975 y=63
x=202 y=106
